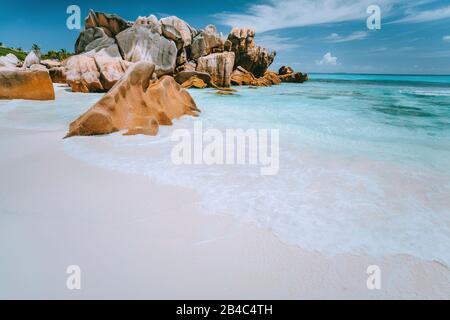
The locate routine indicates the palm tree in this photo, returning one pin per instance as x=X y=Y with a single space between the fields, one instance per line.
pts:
x=35 y=47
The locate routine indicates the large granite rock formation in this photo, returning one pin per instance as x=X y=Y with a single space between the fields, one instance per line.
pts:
x=93 y=39
x=25 y=84
x=137 y=104
x=174 y=47
x=177 y=30
x=206 y=42
x=95 y=71
x=247 y=55
x=110 y=23
x=219 y=66
x=142 y=43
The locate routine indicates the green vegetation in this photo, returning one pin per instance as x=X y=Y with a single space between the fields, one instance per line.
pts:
x=58 y=55
x=18 y=53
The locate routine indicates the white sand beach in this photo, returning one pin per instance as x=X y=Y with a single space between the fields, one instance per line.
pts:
x=133 y=238
x=288 y=149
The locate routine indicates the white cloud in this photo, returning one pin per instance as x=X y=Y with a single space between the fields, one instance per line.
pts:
x=425 y=16
x=446 y=38
x=336 y=38
x=328 y=59
x=277 y=42
x=280 y=14
x=381 y=49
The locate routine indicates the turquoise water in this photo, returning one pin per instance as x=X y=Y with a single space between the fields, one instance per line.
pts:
x=364 y=161
x=415 y=80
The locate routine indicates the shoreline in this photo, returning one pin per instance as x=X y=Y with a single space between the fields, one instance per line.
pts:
x=132 y=240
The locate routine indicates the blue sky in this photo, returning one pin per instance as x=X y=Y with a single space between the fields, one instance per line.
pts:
x=310 y=35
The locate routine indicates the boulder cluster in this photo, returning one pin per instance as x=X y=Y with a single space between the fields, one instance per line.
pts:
x=144 y=67
x=109 y=44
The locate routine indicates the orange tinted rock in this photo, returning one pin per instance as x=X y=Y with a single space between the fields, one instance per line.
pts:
x=149 y=128
x=240 y=77
x=58 y=74
x=83 y=75
x=194 y=82
x=136 y=104
x=111 y=69
x=272 y=77
x=224 y=93
x=184 y=76
x=26 y=84
x=296 y=77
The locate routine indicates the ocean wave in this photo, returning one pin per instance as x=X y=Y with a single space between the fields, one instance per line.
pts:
x=427 y=93
x=385 y=82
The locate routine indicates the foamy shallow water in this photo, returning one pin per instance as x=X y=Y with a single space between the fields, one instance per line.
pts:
x=364 y=166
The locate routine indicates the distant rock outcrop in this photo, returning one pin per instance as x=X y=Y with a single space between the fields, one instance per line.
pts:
x=137 y=104
x=240 y=77
x=285 y=70
x=295 y=77
x=25 y=84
